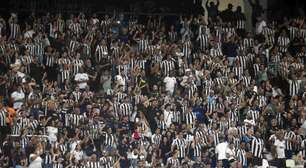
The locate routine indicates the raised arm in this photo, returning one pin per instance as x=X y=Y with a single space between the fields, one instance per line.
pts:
x=218 y=3
x=206 y=4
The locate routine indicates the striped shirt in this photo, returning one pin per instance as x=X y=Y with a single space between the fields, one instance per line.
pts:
x=106 y=162
x=303 y=148
x=197 y=150
x=214 y=52
x=240 y=24
x=204 y=42
x=283 y=42
x=248 y=42
x=76 y=28
x=241 y=155
x=294 y=87
x=180 y=145
x=47 y=159
x=14 y=30
x=3 y=114
x=73 y=45
x=257 y=147
x=101 y=52
x=172 y=35
x=173 y=162
x=190 y=118
x=289 y=136
x=92 y=164
x=167 y=66
x=156 y=139
x=143 y=45
x=109 y=139
x=125 y=109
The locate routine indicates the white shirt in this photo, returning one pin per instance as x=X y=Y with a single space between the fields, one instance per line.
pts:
x=37 y=163
x=52 y=133
x=29 y=34
x=170 y=83
x=221 y=150
x=168 y=115
x=280 y=148
x=17 y=96
x=231 y=153
x=82 y=78
x=77 y=154
x=120 y=80
x=260 y=26
x=73 y=145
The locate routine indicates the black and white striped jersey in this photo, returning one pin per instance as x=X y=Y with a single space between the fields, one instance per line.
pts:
x=73 y=45
x=49 y=60
x=125 y=109
x=203 y=40
x=197 y=150
x=241 y=155
x=47 y=158
x=39 y=48
x=242 y=130
x=109 y=139
x=65 y=75
x=283 y=43
x=172 y=36
x=293 y=32
x=92 y=164
x=303 y=148
x=76 y=28
x=173 y=162
x=3 y=115
x=77 y=64
x=101 y=52
x=180 y=145
x=105 y=25
x=215 y=135
x=215 y=51
x=106 y=162
x=142 y=45
x=240 y=24
x=248 y=42
x=257 y=147
x=294 y=87
x=167 y=66
x=74 y=120
x=57 y=165
x=289 y=137
x=14 y=30
x=156 y=139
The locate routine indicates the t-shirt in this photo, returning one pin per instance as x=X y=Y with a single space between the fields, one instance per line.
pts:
x=77 y=155
x=260 y=26
x=52 y=133
x=29 y=34
x=170 y=83
x=37 y=163
x=168 y=115
x=231 y=153
x=18 y=97
x=221 y=150
x=280 y=148
x=82 y=78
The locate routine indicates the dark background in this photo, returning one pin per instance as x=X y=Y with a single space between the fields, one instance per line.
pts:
x=277 y=9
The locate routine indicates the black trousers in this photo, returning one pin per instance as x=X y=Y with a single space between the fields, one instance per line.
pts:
x=4 y=131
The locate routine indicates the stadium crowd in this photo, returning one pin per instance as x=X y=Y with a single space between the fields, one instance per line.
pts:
x=107 y=91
